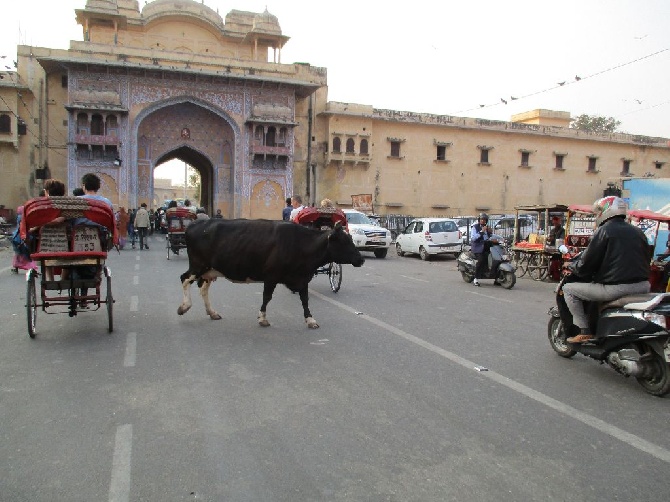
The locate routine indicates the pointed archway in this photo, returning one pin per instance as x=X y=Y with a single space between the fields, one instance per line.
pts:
x=197 y=134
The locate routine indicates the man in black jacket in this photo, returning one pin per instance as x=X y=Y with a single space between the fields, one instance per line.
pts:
x=616 y=262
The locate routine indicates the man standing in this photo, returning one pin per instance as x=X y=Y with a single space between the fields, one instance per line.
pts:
x=142 y=224
x=296 y=202
x=480 y=234
x=286 y=212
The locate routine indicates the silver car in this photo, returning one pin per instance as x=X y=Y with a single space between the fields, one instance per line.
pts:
x=429 y=237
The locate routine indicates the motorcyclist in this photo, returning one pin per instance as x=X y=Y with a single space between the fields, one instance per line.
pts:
x=615 y=263
x=480 y=234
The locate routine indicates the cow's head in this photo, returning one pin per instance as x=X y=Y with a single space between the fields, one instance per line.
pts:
x=341 y=248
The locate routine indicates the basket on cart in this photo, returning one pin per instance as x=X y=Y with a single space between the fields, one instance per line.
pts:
x=69 y=238
x=178 y=219
x=324 y=218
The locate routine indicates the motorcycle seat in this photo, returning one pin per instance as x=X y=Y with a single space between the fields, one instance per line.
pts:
x=638 y=302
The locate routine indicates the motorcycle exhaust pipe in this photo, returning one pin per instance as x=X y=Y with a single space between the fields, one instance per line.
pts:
x=627 y=362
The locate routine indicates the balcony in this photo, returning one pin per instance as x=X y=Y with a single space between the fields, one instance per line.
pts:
x=94 y=139
x=348 y=158
x=270 y=150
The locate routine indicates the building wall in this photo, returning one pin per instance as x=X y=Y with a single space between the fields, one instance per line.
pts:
x=417 y=183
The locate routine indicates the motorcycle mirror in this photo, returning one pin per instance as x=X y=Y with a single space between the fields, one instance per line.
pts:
x=563 y=248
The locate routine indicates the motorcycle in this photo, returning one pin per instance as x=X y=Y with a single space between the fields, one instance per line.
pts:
x=631 y=335
x=498 y=267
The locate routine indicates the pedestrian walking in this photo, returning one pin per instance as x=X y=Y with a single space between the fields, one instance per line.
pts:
x=142 y=224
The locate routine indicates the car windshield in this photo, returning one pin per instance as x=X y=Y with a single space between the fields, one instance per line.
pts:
x=358 y=219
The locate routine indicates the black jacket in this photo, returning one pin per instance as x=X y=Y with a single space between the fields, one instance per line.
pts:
x=617 y=254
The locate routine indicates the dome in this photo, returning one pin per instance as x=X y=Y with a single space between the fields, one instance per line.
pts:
x=187 y=8
x=266 y=23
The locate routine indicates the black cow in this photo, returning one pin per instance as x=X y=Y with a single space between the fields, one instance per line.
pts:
x=271 y=252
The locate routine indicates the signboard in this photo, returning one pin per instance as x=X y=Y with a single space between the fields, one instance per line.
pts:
x=86 y=238
x=362 y=202
x=53 y=239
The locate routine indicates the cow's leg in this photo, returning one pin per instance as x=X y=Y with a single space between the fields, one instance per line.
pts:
x=304 y=298
x=186 y=281
x=204 y=293
x=268 y=290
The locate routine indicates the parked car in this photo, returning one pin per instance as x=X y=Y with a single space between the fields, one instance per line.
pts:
x=505 y=227
x=367 y=234
x=428 y=237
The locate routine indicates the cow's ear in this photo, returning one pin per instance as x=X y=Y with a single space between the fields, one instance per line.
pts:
x=338 y=226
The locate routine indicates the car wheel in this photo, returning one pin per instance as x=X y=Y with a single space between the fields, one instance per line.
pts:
x=399 y=250
x=381 y=253
x=425 y=256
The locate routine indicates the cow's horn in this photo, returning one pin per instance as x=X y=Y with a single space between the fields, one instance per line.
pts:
x=338 y=225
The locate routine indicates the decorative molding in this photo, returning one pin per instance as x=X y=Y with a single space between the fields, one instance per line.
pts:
x=523 y=150
x=442 y=143
x=560 y=154
x=395 y=140
x=483 y=163
x=485 y=147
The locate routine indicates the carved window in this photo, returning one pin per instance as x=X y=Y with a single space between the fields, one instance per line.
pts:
x=625 y=168
x=441 y=152
x=525 y=159
x=282 y=137
x=350 y=145
x=484 y=156
x=259 y=135
x=364 y=147
x=337 y=145
x=97 y=125
x=112 y=125
x=271 y=137
x=82 y=123
x=5 y=124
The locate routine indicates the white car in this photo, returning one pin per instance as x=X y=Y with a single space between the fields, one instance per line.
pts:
x=367 y=234
x=428 y=237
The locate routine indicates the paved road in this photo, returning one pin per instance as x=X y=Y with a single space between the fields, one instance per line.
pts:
x=385 y=402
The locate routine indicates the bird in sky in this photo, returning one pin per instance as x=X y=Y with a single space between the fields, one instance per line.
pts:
x=513 y=98
x=640 y=38
x=482 y=106
x=561 y=83
x=638 y=101
x=578 y=78
x=501 y=99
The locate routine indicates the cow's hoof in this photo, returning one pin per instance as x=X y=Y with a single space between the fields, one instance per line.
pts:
x=263 y=322
x=182 y=310
x=311 y=323
x=215 y=317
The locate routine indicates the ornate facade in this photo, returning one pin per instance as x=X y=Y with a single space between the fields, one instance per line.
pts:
x=174 y=80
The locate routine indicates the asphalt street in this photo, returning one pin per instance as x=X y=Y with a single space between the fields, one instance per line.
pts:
x=416 y=387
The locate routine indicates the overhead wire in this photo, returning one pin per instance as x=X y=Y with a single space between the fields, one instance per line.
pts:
x=576 y=80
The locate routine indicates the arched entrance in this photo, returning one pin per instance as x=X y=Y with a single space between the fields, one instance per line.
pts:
x=197 y=134
x=201 y=164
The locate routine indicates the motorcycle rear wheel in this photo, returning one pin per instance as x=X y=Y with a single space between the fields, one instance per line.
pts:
x=557 y=338
x=659 y=385
x=506 y=279
x=467 y=277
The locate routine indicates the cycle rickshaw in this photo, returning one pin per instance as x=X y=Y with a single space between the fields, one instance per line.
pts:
x=71 y=256
x=650 y=222
x=325 y=218
x=541 y=259
x=177 y=218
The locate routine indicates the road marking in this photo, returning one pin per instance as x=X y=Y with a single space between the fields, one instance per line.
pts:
x=600 y=425
x=137 y=266
x=489 y=296
x=131 y=350
x=137 y=258
x=134 y=303
x=136 y=280
x=119 y=487
x=414 y=278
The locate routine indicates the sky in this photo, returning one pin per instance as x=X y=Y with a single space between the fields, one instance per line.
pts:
x=445 y=57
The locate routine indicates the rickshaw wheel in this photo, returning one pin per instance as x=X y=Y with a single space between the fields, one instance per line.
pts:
x=520 y=262
x=335 y=276
x=537 y=267
x=31 y=304
x=167 y=245
x=110 y=305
